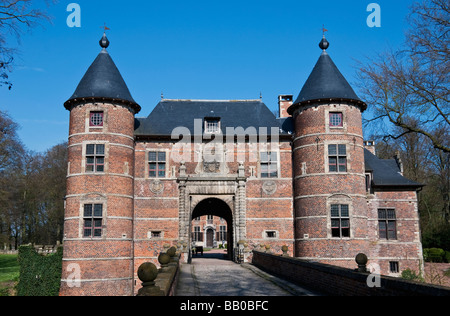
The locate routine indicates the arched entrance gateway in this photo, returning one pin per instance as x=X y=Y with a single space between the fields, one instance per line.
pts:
x=211 y=194
x=219 y=208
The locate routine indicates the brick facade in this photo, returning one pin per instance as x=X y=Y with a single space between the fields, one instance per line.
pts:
x=317 y=188
x=129 y=195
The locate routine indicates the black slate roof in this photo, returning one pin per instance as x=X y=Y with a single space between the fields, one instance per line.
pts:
x=103 y=81
x=326 y=82
x=386 y=172
x=169 y=114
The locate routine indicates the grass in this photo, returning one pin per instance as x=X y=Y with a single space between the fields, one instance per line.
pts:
x=9 y=273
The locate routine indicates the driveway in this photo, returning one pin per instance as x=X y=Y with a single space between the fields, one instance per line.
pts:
x=213 y=275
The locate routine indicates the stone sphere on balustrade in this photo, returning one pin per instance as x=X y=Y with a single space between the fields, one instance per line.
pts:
x=147 y=272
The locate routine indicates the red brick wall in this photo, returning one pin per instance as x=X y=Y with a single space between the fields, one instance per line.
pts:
x=315 y=188
x=337 y=281
x=295 y=205
x=159 y=211
x=105 y=263
x=406 y=249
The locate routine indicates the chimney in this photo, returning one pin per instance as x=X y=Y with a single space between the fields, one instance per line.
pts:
x=370 y=146
x=399 y=161
x=284 y=102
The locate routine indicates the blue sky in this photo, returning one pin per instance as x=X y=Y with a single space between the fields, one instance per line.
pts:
x=189 y=50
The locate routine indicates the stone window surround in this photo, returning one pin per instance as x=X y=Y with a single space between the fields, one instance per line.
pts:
x=339 y=199
x=386 y=220
x=326 y=156
x=268 y=231
x=150 y=234
x=100 y=199
x=96 y=108
x=278 y=163
x=83 y=160
x=335 y=108
x=168 y=169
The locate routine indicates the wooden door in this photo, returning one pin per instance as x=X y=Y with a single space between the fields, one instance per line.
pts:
x=209 y=238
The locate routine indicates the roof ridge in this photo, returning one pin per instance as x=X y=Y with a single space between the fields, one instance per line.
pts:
x=206 y=100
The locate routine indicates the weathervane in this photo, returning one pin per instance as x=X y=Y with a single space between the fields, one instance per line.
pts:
x=324 y=43
x=105 y=28
x=104 y=42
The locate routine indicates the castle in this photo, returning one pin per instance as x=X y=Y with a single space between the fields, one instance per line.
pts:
x=306 y=179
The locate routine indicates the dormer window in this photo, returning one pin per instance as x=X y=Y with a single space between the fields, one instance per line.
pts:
x=96 y=119
x=212 y=125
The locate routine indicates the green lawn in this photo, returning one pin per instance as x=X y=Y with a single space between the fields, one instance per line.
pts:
x=9 y=272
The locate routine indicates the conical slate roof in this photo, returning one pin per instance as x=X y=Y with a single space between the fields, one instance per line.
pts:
x=103 y=82
x=326 y=83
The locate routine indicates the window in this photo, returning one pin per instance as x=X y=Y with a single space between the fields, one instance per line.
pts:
x=340 y=221
x=337 y=158
x=95 y=158
x=197 y=234
x=93 y=218
x=393 y=267
x=222 y=234
x=269 y=165
x=96 y=119
x=271 y=234
x=157 y=164
x=156 y=234
x=336 y=119
x=212 y=125
x=387 y=224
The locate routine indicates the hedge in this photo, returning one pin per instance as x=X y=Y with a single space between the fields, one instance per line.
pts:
x=436 y=255
x=40 y=275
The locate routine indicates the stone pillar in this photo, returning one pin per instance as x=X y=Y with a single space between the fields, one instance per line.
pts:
x=184 y=211
x=241 y=205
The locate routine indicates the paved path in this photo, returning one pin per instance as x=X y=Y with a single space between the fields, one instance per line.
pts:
x=212 y=275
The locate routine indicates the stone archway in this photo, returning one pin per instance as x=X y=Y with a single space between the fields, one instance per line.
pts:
x=228 y=192
x=216 y=207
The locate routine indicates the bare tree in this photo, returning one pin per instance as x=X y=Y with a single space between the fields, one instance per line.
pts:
x=412 y=84
x=16 y=17
x=10 y=144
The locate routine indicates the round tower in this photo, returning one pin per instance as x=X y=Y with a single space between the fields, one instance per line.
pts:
x=98 y=231
x=329 y=172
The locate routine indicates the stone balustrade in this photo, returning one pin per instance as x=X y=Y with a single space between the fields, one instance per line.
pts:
x=160 y=282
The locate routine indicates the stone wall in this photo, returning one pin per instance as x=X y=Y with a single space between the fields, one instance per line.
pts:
x=40 y=249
